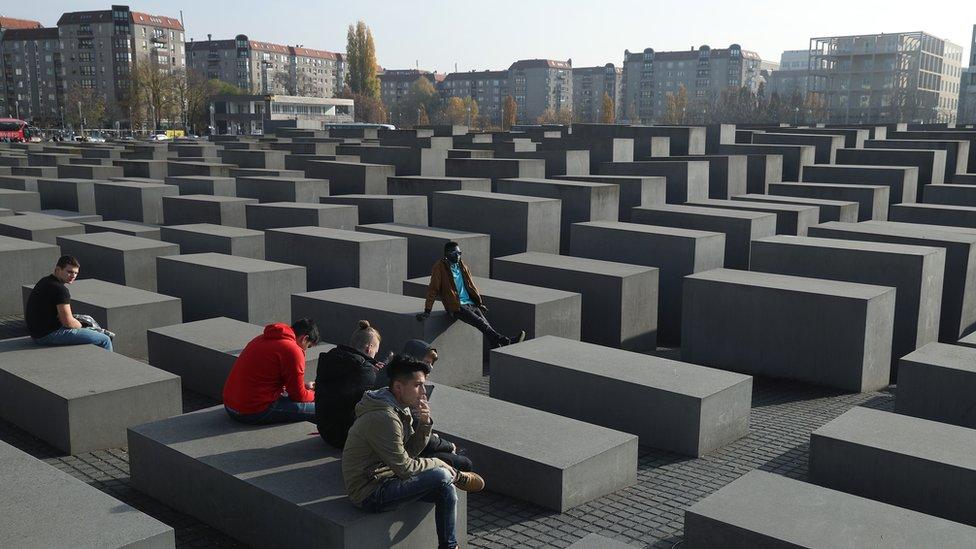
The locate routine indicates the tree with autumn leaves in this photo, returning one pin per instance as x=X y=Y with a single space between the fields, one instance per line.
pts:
x=362 y=83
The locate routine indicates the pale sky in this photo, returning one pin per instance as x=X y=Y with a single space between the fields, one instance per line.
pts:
x=491 y=34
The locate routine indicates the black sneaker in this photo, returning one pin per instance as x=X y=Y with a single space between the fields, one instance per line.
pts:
x=519 y=338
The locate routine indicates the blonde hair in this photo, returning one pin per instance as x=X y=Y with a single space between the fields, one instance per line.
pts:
x=363 y=335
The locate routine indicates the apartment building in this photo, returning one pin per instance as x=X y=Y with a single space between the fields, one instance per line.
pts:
x=268 y=68
x=539 y=85
x=100 y=50
x=488 y=88
x=967 y=87
x=649 y=76
x=589 y=85
x=395 y=84
x=898 y=77
x=793 y=75
x=32 y=86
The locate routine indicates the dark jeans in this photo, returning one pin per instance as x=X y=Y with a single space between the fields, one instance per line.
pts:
x=433 y=486
x=469 y=314
x=283 y=410
x=441 y=449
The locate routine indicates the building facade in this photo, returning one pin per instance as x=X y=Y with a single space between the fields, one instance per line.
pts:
x=33 y=89
x=487 y=88
x=649 y=76
x=395 y=84
x=967 y=87
x=899 y=77
x=793 y=75
x=101 y=49
x=539 y=85
x=265 y=67
x=589 y=85
x=256 y=114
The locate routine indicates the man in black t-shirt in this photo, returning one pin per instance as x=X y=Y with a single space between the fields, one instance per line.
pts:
x=48 y=311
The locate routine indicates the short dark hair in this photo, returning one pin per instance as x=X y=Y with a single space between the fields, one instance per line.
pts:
x=402 y=367
x=306 y=327
x=449 y=245
x=66 y=260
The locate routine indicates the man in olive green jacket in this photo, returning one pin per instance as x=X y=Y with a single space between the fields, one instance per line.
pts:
x=380 y=463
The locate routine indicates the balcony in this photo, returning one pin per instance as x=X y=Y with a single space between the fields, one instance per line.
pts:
x=158 y=38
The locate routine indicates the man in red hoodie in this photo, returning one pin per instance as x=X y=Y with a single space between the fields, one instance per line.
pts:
x=272 y=365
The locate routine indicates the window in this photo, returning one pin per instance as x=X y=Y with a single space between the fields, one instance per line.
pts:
x=87 y=83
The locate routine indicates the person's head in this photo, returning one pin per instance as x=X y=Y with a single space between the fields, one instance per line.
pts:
x=366 y=339
x=407 y=377
x=420 y=350
x=306 y=332
x=452 y=251
x=67 y=269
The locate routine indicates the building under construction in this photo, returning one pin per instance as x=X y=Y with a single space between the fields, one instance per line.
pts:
x=900 y=77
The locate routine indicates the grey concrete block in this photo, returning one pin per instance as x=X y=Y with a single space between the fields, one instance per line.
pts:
x=825 y=332
x=496 y=168
x=937 y=382
x=917 y=464
x=29 y=201
x=22 y=262
x=958 y=315
x=203 y=184
x=253 y=158
x=794 y=158
x=211 y=169
x=916 y=272
x=127 y=311
x=18 y=182
x=256 y=484
x=35 y=171
x=119 y=258
x=903 y=181
x=763 y=170
x=825 y=146
x=206 y=237
x=676 y=252
x=740 y=227
x=830 y=210
x=49 y=159
x=336 y=311
x=762 y=510
x=619 y=301
x=83 y=171
x=953 y=195
x=425 y=246
x=418 y=185
x=686 y=180
x=274 y=215
x=558 y=161
x=727 y=174
x=934 y=214
x=130 y=228
x=131 y=200
x=695 y=409
x=872 y=200
x=77 y=195
x=515 y=223
x=153 y=169
x=203 y=352
x=931 y=164
x=242 y=288
x=200 y=208
x=407 y=160
x=43 y=502
x=514 y=447
x=790 y=219
x=957 y=151
x=385 y=208
x=350 y=177
x=88 y=406
x=66 y=215
x=581 y=200
x=334 y=258
x=39 y=228
x=282 y=189
x=634 y=190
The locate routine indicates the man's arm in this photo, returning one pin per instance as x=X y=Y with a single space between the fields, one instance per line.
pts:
x=418 y=440
x=66 y=318
x=385 y=436
x=294 y=373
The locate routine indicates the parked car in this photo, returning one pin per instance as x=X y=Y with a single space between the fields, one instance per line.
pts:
x=159 y=137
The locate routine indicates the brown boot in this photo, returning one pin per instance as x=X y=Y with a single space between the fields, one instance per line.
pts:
x=469 y=482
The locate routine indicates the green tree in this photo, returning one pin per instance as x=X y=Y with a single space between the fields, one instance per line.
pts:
x=677 y=107
x=509 y=113
x=608 y=110
x=421 y=94
x=361 y=61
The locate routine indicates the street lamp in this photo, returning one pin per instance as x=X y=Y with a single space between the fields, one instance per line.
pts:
x=81 y=121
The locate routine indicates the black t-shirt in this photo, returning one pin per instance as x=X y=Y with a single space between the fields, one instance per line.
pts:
x=41 y=313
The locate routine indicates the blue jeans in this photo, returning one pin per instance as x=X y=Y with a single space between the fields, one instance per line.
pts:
x=283 y=410
x=433 y=486
x=76 y=336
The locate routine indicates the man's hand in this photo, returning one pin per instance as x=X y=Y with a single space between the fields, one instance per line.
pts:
x=377 y=366
x=483 y=307
x=422 y=316
x=310 y=385
x=423 y=412
x=453 y=447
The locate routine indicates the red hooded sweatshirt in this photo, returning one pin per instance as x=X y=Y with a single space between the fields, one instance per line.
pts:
x=271 y=363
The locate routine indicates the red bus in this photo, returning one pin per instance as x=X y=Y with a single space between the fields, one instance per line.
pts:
x=12 y=129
